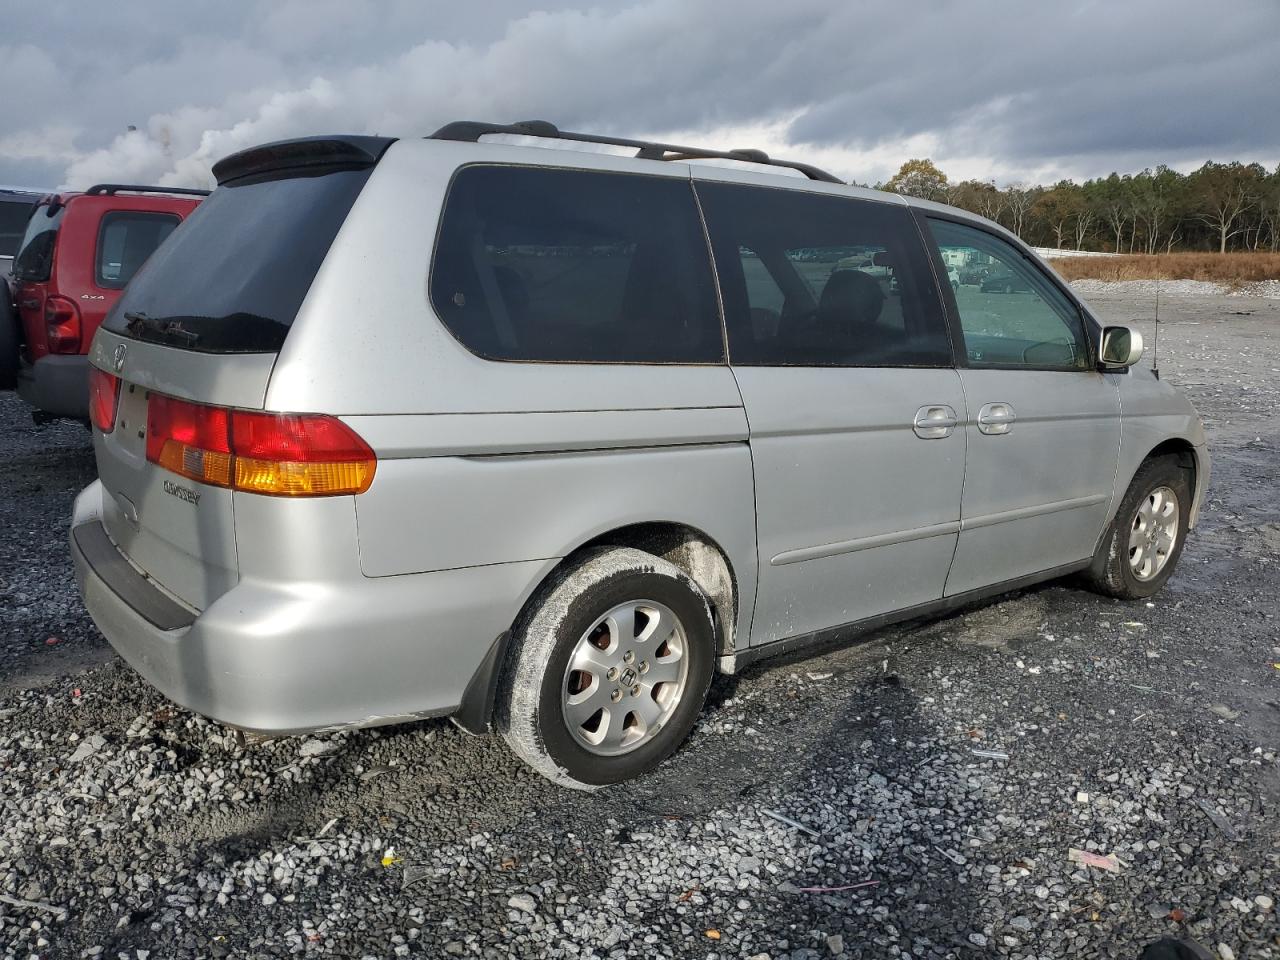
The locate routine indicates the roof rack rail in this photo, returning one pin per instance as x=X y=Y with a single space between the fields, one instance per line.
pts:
x=110 y=189
x=472 y=130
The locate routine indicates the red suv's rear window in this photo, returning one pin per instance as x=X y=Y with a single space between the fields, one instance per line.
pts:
x=126 y=238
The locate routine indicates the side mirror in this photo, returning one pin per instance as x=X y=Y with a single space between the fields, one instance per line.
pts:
x=1121 y=347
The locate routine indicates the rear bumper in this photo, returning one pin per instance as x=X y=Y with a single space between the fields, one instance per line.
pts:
x=281 y=658
x=57 y=385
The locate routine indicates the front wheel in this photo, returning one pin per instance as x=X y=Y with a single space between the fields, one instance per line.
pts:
x=1145 y=540
x=609 y=669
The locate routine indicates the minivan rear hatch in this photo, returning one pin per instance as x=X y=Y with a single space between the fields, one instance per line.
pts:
x=202 y=322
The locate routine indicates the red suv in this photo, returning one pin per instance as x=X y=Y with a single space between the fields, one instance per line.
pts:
x=78 y=252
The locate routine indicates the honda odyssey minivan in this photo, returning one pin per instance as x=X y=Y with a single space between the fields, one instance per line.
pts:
x=539 y=439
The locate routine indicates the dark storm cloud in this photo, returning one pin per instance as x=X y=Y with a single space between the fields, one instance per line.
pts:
x=1013 y=89
x=1043 y=81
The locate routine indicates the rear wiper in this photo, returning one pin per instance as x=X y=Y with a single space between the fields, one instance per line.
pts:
x=139 y=323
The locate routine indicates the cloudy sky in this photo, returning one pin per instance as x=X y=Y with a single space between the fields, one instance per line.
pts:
x=1010 y=91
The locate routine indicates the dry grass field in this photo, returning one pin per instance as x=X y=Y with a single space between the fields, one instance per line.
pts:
x=1232 y=269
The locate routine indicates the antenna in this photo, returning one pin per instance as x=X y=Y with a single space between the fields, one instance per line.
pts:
x=1155 y=340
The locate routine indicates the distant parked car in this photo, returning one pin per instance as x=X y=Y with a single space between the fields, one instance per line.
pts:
x=1005 y=283
x=973 y=274
x=15 y=208
x=859 y=261
x=76 y=255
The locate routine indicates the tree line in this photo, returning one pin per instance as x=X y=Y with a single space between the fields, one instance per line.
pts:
x=1220 y=206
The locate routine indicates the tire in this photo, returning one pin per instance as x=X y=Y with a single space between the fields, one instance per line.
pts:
x=570 y=620
x=1118 y=570
x=10 y=339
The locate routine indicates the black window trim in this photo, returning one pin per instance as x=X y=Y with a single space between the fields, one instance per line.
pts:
x=1089 y=326
x=706 y=239
x=926 y=248
x=98 y=280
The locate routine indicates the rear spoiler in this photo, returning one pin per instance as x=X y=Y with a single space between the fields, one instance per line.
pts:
x=111 y=189
x=353 y=151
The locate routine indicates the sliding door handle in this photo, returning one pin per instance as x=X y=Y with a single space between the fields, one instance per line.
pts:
x=995 y=419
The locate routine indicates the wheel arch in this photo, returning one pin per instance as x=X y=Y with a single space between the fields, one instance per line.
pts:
x=696 y=553
x=1108 y=570
x=693 y=551
x=1190 y=458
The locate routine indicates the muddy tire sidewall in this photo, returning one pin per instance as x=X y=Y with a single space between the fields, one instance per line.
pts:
x=530 y=713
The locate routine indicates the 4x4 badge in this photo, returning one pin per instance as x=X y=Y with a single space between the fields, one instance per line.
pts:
x=118 y=356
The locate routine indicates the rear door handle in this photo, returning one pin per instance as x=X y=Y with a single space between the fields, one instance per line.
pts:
x=935 y=421
x=996 y=419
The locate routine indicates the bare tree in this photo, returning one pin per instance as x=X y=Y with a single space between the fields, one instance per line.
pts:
x=1117 y=216
x=1271 y=217
x=1225 y=193
x=1156 y=195
x=991 y=204
x=1057 y=208
x=1084 y=221
x=1017 y=201
x=1269 y=208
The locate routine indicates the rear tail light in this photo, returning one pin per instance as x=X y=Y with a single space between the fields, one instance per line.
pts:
x=281 y=454
x=104 y=396
x=62 y=325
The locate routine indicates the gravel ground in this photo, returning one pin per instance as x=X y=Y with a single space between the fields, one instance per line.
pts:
x=1264 y=289
x=836 y=806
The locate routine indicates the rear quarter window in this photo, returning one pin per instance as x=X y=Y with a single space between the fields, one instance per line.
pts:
x=34 y=261
x=542 y=264
x=125 y=240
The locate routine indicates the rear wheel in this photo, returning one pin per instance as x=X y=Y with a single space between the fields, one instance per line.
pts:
x=609 y=670
x=1145 y=539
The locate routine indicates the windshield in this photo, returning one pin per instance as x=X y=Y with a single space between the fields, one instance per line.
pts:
x=231 y=278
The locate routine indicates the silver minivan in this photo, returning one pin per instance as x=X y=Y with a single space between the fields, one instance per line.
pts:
x=538 y=437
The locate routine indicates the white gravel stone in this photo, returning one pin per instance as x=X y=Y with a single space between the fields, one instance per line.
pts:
x=523 y=902
x=87 y=748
